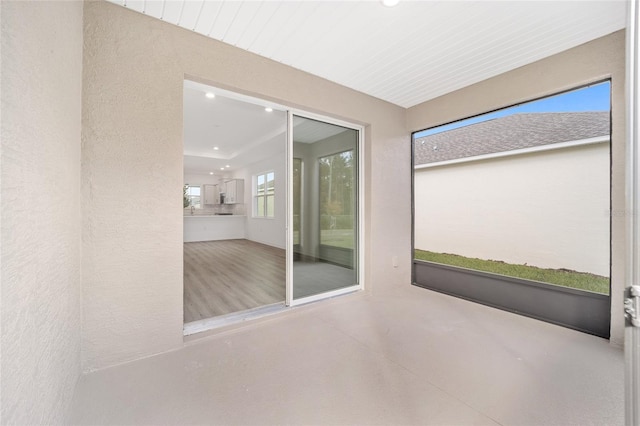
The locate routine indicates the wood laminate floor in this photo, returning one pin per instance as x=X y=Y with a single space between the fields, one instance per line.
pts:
x=221 y=277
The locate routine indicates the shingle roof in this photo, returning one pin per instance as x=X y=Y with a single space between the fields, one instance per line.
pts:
x=516 y=131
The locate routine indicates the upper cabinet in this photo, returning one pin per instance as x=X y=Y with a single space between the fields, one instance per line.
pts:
x=211 y=194
x=234 y=191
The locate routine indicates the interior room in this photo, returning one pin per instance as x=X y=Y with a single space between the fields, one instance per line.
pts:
x=234 y=208
x=96 y=101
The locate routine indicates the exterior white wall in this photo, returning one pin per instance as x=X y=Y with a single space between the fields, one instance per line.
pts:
x=547 y=209
x=270 y=231
x=134 y=71
x=41 y=83
x=588 y=63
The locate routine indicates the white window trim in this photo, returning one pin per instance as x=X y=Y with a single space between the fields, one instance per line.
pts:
x=254 y=204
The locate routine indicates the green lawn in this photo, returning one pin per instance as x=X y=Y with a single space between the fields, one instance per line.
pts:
x=337 y=237
x=562 y=277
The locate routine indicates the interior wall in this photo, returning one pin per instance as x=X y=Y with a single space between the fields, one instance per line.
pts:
x=134 y=68
x=597 y=60
x=41 y=83
x=269 y=231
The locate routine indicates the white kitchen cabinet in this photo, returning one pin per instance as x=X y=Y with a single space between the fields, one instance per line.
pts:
x=213 y=228
x=234 y=191
x=211 y=194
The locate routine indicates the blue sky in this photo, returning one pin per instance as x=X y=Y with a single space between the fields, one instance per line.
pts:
x=591 y=98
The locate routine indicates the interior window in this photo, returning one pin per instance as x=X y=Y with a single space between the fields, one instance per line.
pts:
x=192 y=196
x=264 y=198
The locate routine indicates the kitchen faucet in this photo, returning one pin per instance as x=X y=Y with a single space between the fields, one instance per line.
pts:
x=191 y=210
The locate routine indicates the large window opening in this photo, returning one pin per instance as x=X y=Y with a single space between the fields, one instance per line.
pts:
x=520 y=196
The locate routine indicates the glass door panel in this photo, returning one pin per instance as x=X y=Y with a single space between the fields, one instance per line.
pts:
x=324 y=207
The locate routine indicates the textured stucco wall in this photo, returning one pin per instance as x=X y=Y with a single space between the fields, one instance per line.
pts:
x=134 y=67
x=548 y=209
x=40 y=242
x=593 y=61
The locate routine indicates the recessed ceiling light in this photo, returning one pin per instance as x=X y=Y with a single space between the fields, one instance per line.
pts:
x=390 y=3
x=227 y=165
x=268 y=109
x=215 y=148
x=221 y=168
x=210 y=95
x=210 y=173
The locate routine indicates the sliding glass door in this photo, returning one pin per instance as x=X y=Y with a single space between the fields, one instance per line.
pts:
x=324 y=237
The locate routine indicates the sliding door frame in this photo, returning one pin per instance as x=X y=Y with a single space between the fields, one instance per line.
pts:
x=360 y=199
x=259 y=312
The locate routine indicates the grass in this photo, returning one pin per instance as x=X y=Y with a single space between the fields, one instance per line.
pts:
x=561 y=277
x=337 y=237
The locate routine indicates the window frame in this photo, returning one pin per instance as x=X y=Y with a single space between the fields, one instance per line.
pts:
x=547 y=302
x=191 y=197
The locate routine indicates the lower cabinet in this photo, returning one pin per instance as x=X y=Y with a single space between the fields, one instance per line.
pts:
x=212 y=228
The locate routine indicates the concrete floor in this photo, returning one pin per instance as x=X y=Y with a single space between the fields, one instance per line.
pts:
x=411 y=357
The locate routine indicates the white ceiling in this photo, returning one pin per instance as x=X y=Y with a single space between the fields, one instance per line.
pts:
x=407 y=54
x=309 y=131
x=242 y=131
x=240 y=128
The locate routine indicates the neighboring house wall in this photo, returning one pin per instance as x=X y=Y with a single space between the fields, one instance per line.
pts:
x=548 y=209
x=41 y=83
x=134 y=69
x=593 y=61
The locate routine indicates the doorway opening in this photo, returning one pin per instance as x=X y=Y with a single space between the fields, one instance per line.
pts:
x=271 y=208
x=234 y=204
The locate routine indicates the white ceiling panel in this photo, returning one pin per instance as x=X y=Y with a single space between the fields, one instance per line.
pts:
x=254 y=30
x=280 y=28
x=153 y=8
x=171 y=11
x=224 y=19
x=405 y=55
x=242 y=20
x=190 y=14
x=206 y=18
